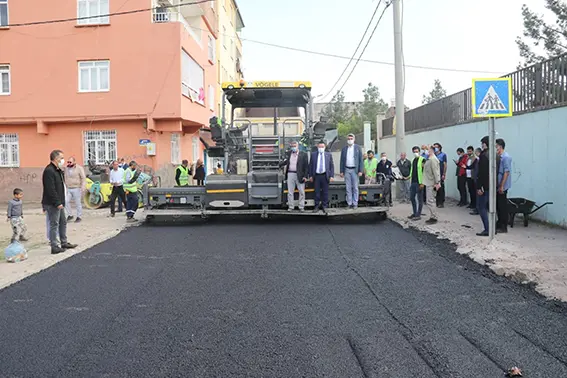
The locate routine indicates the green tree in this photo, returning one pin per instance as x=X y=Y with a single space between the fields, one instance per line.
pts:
x=542 y=40
x=336 y=110
x=437 y=93
x=369 y=109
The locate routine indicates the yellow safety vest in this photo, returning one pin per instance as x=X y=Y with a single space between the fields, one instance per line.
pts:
x=132 y=188
x=184 y=176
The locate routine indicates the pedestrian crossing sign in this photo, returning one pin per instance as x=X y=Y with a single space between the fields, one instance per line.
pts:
x=492 y=97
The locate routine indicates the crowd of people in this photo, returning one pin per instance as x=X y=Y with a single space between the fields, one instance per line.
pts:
x=423 y=181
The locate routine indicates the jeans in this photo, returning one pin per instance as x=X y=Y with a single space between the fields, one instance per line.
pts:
x=47 y=226
x=405 y=186
x=351 y=181
x=482 y=207
x=74 y=195
x=416 y=197
x=292 y=183
x=57 y=225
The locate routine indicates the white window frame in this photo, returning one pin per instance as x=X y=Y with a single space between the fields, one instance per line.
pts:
x=9 y=150
x=5 y=70
x=192 y=77
x=103 y=8
x=195 y=148
x=107 y=139
x=211 y=95
x=96 y=65
x=175 y=148
x=211 y=49
x=7 y=14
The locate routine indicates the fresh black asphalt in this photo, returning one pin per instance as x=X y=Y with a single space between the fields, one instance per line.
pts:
x=277 y=299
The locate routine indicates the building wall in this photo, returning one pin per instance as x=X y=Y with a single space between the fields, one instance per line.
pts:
x=536 y=142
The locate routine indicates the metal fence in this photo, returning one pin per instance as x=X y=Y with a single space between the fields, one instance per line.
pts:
x=537 y=87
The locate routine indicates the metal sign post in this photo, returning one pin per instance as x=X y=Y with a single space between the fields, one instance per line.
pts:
x=492 y=98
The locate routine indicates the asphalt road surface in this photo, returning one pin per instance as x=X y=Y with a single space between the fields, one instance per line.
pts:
x=276 y=300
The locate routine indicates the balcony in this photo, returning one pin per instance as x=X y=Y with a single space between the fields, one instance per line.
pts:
x=162 y=15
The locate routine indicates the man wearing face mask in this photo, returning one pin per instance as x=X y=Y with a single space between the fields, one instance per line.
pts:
x=503 y=184
x=432 y=181
x=483 y=182
x=442 y=157
x=53 y=200
x=75 y=181
x=322 y=172
x=351 y=166
x=296 y=168
x=385 y=167
x=404 y=166
x=416 y=177
x=461 y=174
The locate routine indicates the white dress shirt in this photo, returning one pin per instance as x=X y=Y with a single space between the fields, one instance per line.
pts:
x=320 y=163
x=350 y=156
x=117 y=176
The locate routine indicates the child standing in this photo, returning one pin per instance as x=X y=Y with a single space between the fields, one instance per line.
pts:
x=16 y=216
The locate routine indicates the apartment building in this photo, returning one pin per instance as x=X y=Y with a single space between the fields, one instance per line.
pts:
x=229 y=47
x=138 y=85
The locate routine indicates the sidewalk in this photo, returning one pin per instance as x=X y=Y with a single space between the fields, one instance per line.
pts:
x=534 y=254
x=95 y=228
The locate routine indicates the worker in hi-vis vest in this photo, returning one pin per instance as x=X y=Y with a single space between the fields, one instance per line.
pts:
x=130 y=186
x=416 y=187
x=183 y=173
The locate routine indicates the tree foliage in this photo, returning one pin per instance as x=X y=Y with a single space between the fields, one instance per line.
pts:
x=437 y=93
x=542 y=40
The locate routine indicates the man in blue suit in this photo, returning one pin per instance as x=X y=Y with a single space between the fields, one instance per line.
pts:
x=351 y=169
x=322 y=172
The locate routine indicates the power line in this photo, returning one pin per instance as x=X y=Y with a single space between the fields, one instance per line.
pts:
x=364 y=60
x=61 y=20
x=243 y=39
x=355 y=51
x=365 y=46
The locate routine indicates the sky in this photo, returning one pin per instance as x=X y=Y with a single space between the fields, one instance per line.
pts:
x=476 y=36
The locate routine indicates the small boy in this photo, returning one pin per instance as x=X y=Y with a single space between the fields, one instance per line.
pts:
x=16 y=216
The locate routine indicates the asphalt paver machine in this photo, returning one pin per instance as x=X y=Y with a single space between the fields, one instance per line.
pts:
x=253 y=181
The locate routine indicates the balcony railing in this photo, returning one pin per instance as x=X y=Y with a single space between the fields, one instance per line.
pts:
x=163 y=15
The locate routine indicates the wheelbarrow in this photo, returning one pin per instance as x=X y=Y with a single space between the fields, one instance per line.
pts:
x=523 y=206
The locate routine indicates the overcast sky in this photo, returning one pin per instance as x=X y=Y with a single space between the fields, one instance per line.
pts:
x=476 y=36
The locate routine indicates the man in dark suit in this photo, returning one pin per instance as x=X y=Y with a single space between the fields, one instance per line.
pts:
x=322 y=172
x=297 y=171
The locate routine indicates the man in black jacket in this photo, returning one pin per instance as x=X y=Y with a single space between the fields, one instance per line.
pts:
x=53 y=200
x=482 y=185
x=296 y=170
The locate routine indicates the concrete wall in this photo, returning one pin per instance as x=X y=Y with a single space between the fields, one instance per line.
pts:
x=536 y=142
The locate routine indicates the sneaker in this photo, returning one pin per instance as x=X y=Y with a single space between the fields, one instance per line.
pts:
x=301 y=210
x=431 y=221
x=78 y=220
x=69 y=218
x=68 y=245
x=354 y=207
x=56 y=250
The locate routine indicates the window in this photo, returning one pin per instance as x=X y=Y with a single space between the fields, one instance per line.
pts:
x=175 y=149
x=9 y=150
x=195 y=147
x=232 y=49
x=94 y=76
x=4 y=79
x=192 y=79
x=211 y=97
x=3 y=13
x=211 y=49
x=224 y=37
x=100 y=146
x=92 y=12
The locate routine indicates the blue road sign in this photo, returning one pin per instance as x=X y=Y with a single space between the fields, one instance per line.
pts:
x=492 y=97
x=143 y=142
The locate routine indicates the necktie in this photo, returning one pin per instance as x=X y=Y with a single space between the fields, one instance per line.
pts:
x=320 y=169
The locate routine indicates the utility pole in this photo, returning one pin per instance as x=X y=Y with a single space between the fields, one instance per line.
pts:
x=399 y=77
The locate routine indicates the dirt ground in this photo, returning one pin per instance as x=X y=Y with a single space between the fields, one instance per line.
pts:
x=534 y=254
x=96 y=227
